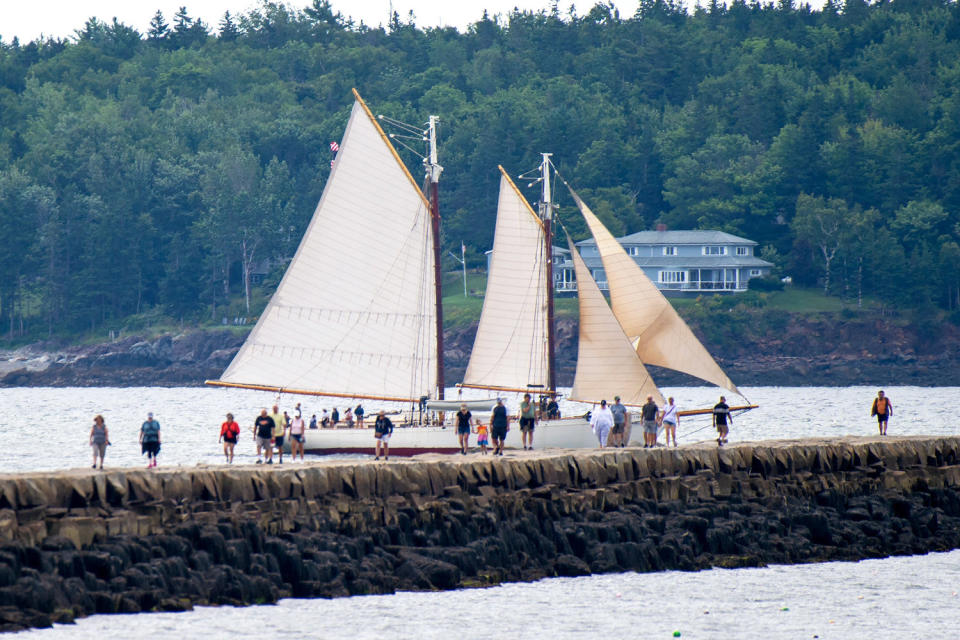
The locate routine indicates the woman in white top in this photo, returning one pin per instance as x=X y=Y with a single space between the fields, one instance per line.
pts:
x=601 y=421
x=670 y=418
x=296 y=436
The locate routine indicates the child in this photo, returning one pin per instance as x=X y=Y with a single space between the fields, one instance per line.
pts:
x=481 y=432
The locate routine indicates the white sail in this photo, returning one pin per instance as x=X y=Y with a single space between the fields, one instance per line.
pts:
x=510 y=349
x=355 y=312
x=607 y=364
x=660 y=335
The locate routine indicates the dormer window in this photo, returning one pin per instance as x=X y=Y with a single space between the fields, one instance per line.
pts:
x=743 y=251
x=669 y=251
x=714 y=251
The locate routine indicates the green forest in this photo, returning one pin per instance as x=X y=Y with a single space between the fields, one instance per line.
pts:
x=138 y=170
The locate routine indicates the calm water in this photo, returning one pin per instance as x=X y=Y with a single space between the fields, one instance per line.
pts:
x=897 y=598
x=47 y=428
x=914 y=597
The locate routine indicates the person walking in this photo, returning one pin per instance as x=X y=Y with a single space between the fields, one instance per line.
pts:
x=499 y=425
x=382 y=430
x=229 y=431
x=263 y=426
x=463 y=428
x=297 y=428
x=150 y=440
x=601 y=421
x=482 y=432
x=99 y=439
x=721 y=416
x=618 y=430
x=279 y=430
x=649 y=413
x=670 y=418
x=883 y=409
x=528 y=421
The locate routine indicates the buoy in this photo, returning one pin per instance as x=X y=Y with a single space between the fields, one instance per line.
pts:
x=784 y=608
x=676 y=634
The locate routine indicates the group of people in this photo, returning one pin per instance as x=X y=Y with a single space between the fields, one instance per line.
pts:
x=270 y=431
x=149 y=440
x=609 y=423
x=352 y=418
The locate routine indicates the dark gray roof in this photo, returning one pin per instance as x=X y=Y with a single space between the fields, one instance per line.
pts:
x=678 y=237
x=692 y=262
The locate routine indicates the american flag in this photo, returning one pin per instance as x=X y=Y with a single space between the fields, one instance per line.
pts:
x=334 y=147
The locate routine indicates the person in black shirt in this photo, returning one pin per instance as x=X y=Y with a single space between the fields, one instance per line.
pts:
x=463 y=428
x=650 y=412
x=721 y=416
x=499 y=425
x=263 y=427
x=382 y=430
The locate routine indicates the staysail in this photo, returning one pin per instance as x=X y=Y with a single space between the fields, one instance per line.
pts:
x=354 y=314
x=510 y=349
x=660 y=335
x=607 y=364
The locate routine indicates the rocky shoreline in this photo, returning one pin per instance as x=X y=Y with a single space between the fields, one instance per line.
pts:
x=861 y=355
x=81 y=542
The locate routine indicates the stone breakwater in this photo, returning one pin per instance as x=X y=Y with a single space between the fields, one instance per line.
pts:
x=82 y=542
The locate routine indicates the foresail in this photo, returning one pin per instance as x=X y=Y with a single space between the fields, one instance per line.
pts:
x=354 y=313
x=660 y=335
x=607 y=364
x=510 y=349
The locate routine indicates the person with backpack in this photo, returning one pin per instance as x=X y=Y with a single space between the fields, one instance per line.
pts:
x=229 y=431
x=883 y=409
x=150 y=440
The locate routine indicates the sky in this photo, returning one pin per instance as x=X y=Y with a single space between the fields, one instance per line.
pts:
x=28 y=19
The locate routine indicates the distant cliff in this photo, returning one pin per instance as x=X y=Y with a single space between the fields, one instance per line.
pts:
x=755 y=349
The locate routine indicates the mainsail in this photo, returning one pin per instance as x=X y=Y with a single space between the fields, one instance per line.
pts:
x=607 y=364
x=510 y=349
x=354 y=314
x=659 y=334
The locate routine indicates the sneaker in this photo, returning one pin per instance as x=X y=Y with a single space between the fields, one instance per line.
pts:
x=94 y=465
x=386 y=457
x=259 y=461
x=269 y=461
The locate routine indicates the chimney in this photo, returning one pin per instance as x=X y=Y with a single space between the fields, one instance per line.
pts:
x=661 y=226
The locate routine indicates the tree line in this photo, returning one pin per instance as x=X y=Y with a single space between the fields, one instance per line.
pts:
x=151 y=171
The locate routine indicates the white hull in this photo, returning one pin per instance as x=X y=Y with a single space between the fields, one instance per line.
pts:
x=571 y=433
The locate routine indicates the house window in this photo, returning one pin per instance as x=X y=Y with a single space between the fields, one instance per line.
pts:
x=743 y=251
x=669 y=251
x=633 y=251
x=673 y=277
x=714 y=251
x=754 y=272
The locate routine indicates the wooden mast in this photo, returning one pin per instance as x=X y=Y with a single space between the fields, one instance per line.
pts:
x=433 y=175
x=546 y=214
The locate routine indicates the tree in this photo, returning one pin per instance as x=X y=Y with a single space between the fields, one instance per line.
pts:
x=228 y=28
x=159 y=30
x=820 y=223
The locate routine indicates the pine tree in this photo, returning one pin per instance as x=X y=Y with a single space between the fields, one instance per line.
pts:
x=159 y=30
x=228 y=28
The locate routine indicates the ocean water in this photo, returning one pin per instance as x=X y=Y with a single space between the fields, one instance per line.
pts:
x=48 y=428
x=896 y=598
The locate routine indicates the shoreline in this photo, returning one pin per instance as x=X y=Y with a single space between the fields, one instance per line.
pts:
x=123 y=541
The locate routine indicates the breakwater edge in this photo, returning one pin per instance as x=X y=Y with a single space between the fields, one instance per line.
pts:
x=77 y=542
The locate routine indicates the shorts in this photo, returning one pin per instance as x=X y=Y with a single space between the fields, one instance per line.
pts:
x=383 y=437
x=883 y=417
x=499 y=433
x=526 y=424
x=278 y=441
x=230 y=439
x=99 y=448
x=668 y=423
x=263 y=443
x=650 y=426
x=617 y=428
x=297 y=436
x=463 y=430
x=151 y=448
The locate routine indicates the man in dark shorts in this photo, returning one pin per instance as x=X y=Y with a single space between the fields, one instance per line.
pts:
x=649 y=412
x=382 y=430
x=263 y=432
x=617 y=432
x=150 y=440
x=528 y=421
x=721 y=416
x=883 y=409
x=499 y=425
x=463 y=428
